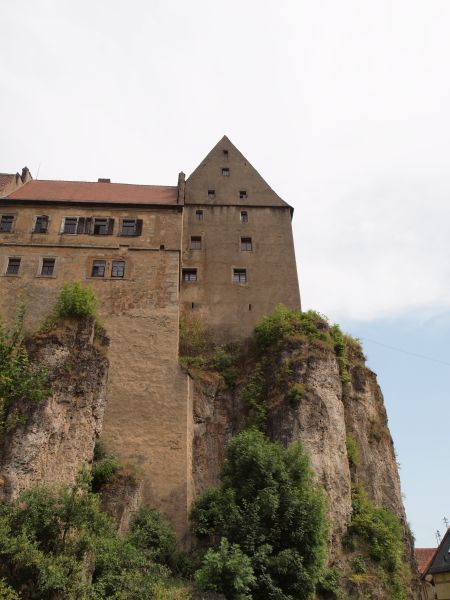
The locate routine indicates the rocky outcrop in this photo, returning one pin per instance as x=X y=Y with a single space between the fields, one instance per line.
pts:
x=59 y=433
x=326 y=409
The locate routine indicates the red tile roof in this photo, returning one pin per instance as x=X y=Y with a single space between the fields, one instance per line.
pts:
x=92 y=192
x=424 y=556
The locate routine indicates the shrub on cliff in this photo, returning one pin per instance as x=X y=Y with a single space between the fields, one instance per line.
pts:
x=270 y=508
x=59 y=543
x=76 y=301
x=20 y=380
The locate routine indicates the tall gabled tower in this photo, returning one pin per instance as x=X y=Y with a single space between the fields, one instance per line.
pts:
x=238 y=258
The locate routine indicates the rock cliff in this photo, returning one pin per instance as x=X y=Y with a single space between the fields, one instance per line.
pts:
x=59 y=433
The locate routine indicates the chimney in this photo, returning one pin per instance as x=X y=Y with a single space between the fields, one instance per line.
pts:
x=181 y=187
x=104 y=180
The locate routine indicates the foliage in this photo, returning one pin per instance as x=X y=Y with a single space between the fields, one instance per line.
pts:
x=76 y=301
x=329 y=584
x=21 y=382
x=341 y=353
x=150 y=532
x=269 y=506
x=103 y=470
x=253 y=397
x=227 y=570
x=224 y=360
x=283 y=323
x=352 y=450
x=295 y=393
x=193 y=338
x=7 y=592
x=383 y=534
x=58 y=542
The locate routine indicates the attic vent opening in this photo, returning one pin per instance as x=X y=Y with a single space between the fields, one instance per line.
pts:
x=225 y=153
x=104 y=180
x=243 y=195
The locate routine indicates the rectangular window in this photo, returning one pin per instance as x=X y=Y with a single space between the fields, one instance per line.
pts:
x=240 y=275
x=244 y=216
x=196 y=242
x=103 y=226
x=6 y=223
x=118 y=268
x=246 y=244
x=41 y=225
x=199 y=215
x=48 y=267
x=13 y=266
x=98 y=268
x=189 y=275
x=226 y=172
x=211 y=193
x=131 y=227
x=243 y=195
x=70 y=225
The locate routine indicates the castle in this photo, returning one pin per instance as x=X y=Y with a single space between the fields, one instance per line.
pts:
x=218 y=245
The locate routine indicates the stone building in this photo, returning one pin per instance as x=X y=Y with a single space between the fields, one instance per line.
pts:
x=218 y=245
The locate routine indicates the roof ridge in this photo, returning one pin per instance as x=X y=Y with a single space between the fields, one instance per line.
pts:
x=97 y=182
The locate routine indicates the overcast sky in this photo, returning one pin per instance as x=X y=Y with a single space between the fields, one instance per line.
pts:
x=343 y=107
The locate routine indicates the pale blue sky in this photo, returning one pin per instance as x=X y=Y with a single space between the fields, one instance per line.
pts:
x=342 y=107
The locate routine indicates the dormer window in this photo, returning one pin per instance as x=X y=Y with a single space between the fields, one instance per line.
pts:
x=243 y=195
x=211 y=194
x=226 y=172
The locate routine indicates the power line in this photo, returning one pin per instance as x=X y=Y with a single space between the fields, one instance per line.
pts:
x=436 y=360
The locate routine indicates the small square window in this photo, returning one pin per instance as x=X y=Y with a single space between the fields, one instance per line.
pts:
x=225 y=153
x=48 y=267
x=246 y=244
x=211 y=193
x=226 y=172
x=6 y=223
x=189 y=275
x=70 y=225
x=199 y=215
x=240 y=275
x=118 y=268
x=101 y=227
x=98 y=268
x=131 y=227
x=244 y=216
x=13 y=266
x=196 y=242
x=41 y=225
x=243 y=195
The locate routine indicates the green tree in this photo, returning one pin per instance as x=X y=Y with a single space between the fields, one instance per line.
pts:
x=269 y=506
x=21 y=381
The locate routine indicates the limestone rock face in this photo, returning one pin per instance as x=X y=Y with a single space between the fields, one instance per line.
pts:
x=324 y=414
x=59 y=433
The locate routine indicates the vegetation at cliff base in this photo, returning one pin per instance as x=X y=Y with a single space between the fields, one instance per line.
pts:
x=21 y=381
x=58 y=543
x=380 y=535
x=266 y=523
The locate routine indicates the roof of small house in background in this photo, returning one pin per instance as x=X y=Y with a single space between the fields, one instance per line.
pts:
x=89 y=192
x=440 y=562
x=424 y=557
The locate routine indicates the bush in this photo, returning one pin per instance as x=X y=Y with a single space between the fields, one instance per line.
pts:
x=193 y=338
x=295 y=393
x=149 y=531
x=224 y=361
x=7 y=592
x=21 y=381
x=253 y=397
x=383 y=534
x=352 y=450
x=227 y=570
x=269 y=506
x=53 y=541
x=76 y=301
x=103 y=470
x=329 y=585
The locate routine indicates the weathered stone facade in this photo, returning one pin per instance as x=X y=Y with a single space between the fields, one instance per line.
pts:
x=133 y=244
